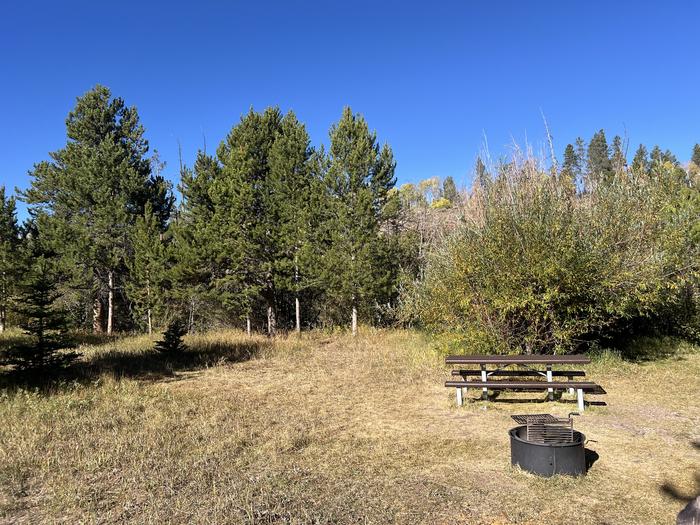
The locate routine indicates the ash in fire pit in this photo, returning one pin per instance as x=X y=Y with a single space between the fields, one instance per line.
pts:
x=547 y=445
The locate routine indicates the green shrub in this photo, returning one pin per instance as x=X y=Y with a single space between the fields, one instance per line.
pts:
x=543 y=266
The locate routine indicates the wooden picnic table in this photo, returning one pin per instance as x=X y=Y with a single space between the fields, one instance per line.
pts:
x=501 y=362
x=517 y=359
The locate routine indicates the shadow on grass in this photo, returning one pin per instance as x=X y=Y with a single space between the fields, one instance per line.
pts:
x=591 y=456
x=495 y=397
x=147 y=365
x=643 y=349
x=670 y=490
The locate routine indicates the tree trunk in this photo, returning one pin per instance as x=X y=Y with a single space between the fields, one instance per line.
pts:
x=271 y=320
x=3 y=317
x=247 y=324
x=296 y=299
x=97 y=316
x=354 y=320
x=110 y=301
x=148 y=311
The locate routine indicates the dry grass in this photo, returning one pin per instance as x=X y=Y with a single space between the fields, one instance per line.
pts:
x=328 y=429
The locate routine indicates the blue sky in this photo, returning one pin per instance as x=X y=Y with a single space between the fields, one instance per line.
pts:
x=433 y=78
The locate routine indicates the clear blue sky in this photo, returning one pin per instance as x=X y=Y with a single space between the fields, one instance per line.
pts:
x=433 y=78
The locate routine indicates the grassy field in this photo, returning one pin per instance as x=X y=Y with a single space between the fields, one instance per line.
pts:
x=327 y=429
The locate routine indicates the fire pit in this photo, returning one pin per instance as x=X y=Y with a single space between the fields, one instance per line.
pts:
x=547 y=445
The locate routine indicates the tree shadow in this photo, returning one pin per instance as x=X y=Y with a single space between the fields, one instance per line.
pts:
x=145 y=365
x=645 y=349
x=674 y=492
x=95 y=339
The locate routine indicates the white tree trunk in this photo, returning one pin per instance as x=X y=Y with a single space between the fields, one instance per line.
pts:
x=148 y=311
x=3 y=316
x=110 y=302
x=298 y=314
x=247 y=324
x=354 y=320
x=190 y=320
x=271 y=321
x=97 y=316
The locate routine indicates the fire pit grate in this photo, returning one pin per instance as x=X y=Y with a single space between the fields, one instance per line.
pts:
x=546 y=428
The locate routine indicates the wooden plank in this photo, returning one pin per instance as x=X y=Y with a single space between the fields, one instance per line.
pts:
x=534 y=385
x=519 y=373
x=517 y=359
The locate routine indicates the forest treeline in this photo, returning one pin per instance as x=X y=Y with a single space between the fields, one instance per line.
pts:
x=270 y=232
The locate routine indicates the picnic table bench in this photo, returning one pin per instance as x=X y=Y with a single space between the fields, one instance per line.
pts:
x=498 y=366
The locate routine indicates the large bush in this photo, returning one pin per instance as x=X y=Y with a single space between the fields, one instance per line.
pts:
x=545 y=264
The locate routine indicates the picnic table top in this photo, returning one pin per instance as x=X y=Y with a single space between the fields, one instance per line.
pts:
x=517 y=359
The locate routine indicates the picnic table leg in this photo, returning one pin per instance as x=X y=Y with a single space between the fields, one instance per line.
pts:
x=484 y=377
x=571 y=390
x=550 y=391
x=579 y=393
x=460 y=401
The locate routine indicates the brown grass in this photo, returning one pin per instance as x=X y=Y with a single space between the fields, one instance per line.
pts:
x=328 y=429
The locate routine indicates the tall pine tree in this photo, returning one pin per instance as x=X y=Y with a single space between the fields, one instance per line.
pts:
x=93 y=190
x=291 y=195
x=146 y=286
x=10 y=264
x=196 y=245
x=599 y=165
x=246 y=216
x=640 y=162
x=358 y=181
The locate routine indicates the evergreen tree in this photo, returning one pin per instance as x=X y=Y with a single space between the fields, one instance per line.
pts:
x=694 y=166
x=244 y=215
x=196 y=245
x=640 y=163
x=44 y=323
x=569 y=166
x=659 y=157
x=618 y=160
x=358 y=184
x=147 y=268
x=599 y=165
x=93 y=190
x=172 y=343
x=10 y=265
x=449 y=190
x=291 y=196
x=481 y=174
x=695 y=157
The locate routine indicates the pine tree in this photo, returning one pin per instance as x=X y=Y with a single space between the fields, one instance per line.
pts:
x=290 y=196
x=195 y=241
x=10 y=265
x=695 y=157
x=481 y=174
x=694 y=167
x=44 y=323
x=93 y=190
x=449 y=190
x=640 y=163
x=172 y=343
x=618 y=160
x=569 y=166
x=358 y=184
x=599 y=165
x=244 y=216
x=147 y=268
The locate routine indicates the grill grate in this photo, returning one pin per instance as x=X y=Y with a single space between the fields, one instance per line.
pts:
x=546 y=428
